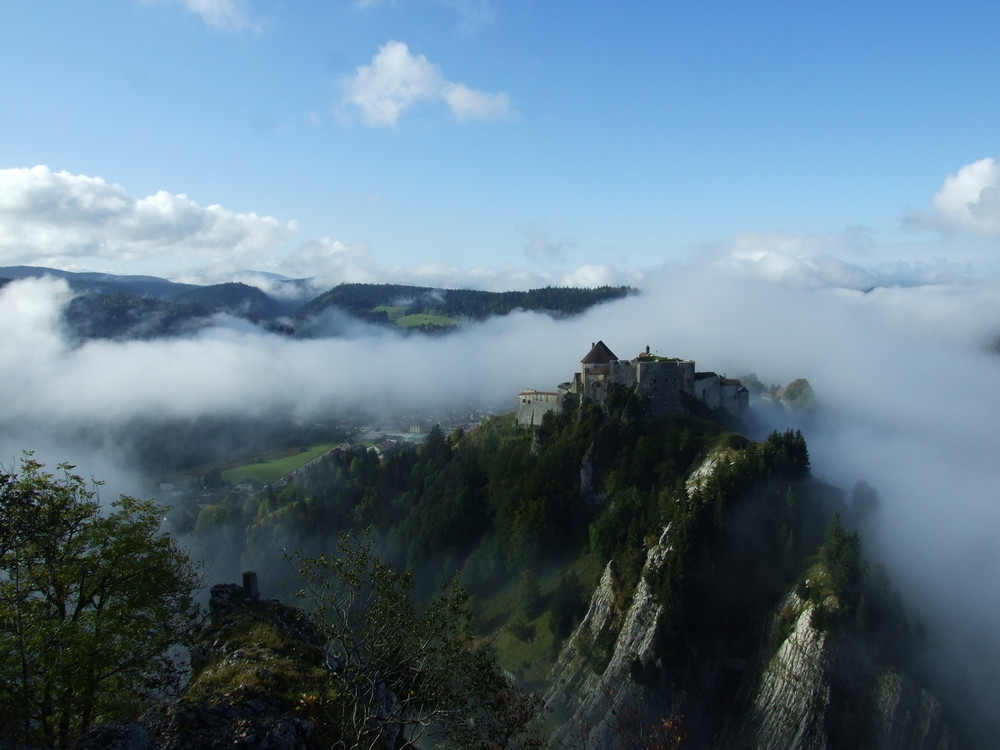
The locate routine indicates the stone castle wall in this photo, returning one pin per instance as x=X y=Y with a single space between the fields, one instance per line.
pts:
x=533 y=405
x=665 y=382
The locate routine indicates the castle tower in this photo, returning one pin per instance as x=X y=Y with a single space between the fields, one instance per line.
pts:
x=595 y=371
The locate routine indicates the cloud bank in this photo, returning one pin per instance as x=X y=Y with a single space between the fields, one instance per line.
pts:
x=74 y=221
x=80 y=222
x=397 y=80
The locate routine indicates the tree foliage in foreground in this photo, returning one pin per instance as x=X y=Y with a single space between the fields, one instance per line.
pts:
x=409 y=672
x=90 y=604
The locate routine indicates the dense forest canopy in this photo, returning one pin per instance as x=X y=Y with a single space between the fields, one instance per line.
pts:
x=500 y=500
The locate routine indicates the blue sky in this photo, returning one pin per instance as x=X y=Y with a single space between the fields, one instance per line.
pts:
x=473 y=142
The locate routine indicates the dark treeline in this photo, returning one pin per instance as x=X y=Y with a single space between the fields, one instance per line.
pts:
x=469 y=304
x=122 y=315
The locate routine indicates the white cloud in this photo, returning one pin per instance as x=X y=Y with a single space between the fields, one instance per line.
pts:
x=331 y=262
x=397 y=79
x=225 y=15
x=474 y=14
x=592 y=275
x=60 y=219
x=394 y=81
x=468 y=103
x=968 y=201
x=796 y=260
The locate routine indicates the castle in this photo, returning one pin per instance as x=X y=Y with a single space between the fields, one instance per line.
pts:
x=664 y=381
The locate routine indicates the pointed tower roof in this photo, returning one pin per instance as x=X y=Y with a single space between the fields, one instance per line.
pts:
x=599 y=355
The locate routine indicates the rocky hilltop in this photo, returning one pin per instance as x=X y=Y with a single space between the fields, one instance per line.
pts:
x=259 y=676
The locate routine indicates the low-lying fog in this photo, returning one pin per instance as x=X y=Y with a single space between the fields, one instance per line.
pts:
x=906 y=376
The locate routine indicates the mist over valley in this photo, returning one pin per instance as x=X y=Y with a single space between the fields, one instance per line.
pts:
x=903 y=377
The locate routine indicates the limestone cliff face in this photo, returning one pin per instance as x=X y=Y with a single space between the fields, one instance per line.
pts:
x=802 y=687
x=594 y=687
x=788 y=707
x=818 y=691
x=805 y=690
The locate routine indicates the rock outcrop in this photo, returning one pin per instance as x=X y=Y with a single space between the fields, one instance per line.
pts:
x=807 y=689
x=597 y=686
x=789 y=705
x=807 y=684
x=819 y=691
x=259 y=672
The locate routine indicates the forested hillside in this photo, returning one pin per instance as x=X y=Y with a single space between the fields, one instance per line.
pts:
x=529 y=520
x=491 y=502
x=396 y=303
x=662 y=582
x=105 y=306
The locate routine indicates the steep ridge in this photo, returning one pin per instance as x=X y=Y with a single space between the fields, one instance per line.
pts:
x=805 y=685
x=599 y=704
x=819 y=690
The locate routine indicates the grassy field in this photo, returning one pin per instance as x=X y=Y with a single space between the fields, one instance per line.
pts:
x=398 y=316
x=525 y=649
x=394 y=313
x=529 y=648
x=422 y=319
x=274 y=468
x=530 y=653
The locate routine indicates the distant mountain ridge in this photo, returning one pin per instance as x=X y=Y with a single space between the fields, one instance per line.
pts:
x=107 y=306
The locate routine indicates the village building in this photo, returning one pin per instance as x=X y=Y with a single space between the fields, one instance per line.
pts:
x=665 y=381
